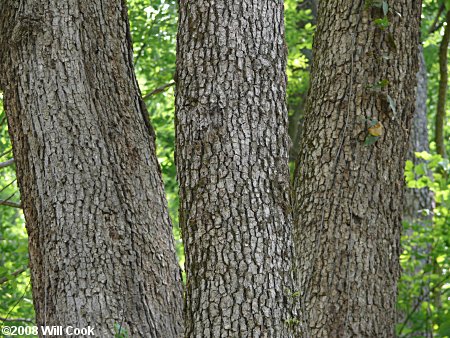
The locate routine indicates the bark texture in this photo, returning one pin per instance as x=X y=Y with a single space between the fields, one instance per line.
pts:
x=232 y=162
x=443 y=86
x=348 y=195
x=100 y=238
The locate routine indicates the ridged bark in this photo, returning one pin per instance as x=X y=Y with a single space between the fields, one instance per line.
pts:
x=232 y=162
x=348 y=195
x=100 y=238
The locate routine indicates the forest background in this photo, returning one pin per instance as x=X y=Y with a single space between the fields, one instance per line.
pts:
x=424 y=290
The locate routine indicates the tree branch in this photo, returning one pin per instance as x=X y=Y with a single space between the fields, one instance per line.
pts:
x=419 y=301
x=24 y=320
x=11 y=204
x=3 y=280
x=159 y=90
x=436 y=24
x=5 y=153
x=6 y=163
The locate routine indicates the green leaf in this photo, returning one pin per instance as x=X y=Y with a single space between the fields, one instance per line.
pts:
x=370 y=139
x=409 y=165
x=423 y=155
x=385 y=8
x=382 y=23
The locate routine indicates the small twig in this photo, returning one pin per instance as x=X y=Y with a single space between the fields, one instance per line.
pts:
x=139 y=54
x=16 y=273
x=24 y=320
x=17 y=303
x=436 y=24
x=11 y=204
x=419 y=301
x=5 y=153
x=6 y=186
x=158 y=90
x=6 y=163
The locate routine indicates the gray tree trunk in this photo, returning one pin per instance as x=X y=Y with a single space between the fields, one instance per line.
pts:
x=232 y=162
x=348 y=195
x=416 y=201
x=100 y=239
x=418 y=204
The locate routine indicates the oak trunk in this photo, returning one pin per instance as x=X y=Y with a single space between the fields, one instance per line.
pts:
x=100 y=239
x=232 y=163
x=348 y=194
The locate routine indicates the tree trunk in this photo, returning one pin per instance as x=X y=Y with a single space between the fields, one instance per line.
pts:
x=232 y=162
x=100 y=238
x=416 y=201
x=348 y=192
x=443 y=86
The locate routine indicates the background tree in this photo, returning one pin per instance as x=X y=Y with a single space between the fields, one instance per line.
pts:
x=443 y=87
x=349 y=177
x=417 y=211
x=101 y=247
x=232 y=165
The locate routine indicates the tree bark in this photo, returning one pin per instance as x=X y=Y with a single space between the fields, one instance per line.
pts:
x=443 y=86
x=232 y=163
x=348 y=195
x=100 y=238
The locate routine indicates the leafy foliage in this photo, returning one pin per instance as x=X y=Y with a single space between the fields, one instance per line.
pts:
x=424 y=289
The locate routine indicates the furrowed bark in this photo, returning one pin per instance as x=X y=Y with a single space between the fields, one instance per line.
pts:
x=348 y=195
x=232 y=163
x=100 y=238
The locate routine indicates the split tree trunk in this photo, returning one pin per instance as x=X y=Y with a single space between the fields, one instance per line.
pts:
x=232 y=162
x=100 y=238
x=348 y=195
